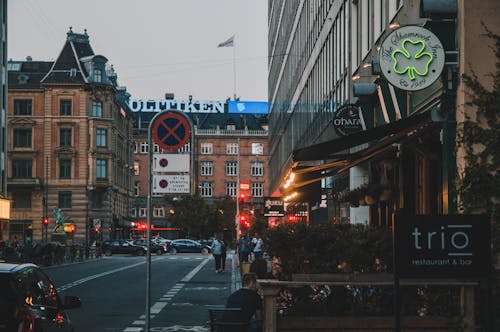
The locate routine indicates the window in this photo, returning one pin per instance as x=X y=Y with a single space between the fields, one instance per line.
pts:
x=231 y=189
x=207 y=148
x=159 y=211
x=142 y=212
x=21 y=199
x=22 y=138
x=230 y=127
x=101 y=134
x=231 y=168
x=101 y=166
x=64 y=199
x=23 y=107
x=185 y=149
x=72 y=72
x=97 y=109
x=133 y=212
x=134 y=146
x=207 y=168
x=156 y=148
x=144 y=147
x=97 y=75
x=136 y=168
x=22 y=168
x=65 y=168
x=206 y=189
x=65 y=137
x=257 y=189
x=231 y=148
x=137 y=189
x=65 y=107
x=96 y=199
x=257 y=148
x=257 y=168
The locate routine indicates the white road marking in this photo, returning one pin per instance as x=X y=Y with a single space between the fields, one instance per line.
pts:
x=158 y=306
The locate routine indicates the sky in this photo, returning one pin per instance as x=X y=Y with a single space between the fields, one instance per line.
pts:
x=155 y=46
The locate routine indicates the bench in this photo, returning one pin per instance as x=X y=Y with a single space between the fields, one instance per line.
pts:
x=226 y=320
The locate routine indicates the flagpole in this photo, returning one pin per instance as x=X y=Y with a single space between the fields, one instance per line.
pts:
x=234 y=70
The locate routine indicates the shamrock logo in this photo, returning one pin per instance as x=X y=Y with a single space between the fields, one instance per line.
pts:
x=406 y=62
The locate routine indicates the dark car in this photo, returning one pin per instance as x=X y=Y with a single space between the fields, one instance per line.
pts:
x=110 y=247
x=154 y=247
x=29 y=301
x=187 y=245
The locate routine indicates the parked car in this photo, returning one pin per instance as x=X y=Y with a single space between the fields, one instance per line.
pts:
x=187 y=245
x=110 y=247
x=154 y=247
x=162 y=241
x=29 y=301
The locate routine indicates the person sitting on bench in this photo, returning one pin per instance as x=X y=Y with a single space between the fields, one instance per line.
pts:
x=249 y=301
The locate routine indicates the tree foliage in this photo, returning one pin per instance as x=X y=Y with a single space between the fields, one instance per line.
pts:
x=478 y=184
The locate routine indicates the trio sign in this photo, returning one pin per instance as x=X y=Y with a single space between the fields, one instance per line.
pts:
x=446 y=246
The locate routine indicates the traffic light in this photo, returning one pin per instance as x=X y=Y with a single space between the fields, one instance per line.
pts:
x=45 y=221
x=244 y=221
x=95 y=229
x=242 y=197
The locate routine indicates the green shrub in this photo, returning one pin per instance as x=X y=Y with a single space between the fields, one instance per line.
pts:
x=329 y=248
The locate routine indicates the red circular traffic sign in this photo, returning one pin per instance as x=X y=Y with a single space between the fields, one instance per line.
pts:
x=171 y=131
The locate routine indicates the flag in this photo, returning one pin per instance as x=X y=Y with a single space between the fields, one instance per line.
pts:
x=227 y=43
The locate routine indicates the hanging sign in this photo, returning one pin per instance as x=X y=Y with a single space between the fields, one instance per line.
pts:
x=411 y=58
x=178 y=162
x=346 y=120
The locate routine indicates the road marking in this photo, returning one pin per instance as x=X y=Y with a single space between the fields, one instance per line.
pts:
x=162 y=303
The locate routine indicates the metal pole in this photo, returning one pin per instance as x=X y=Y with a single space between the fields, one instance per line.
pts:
x=148 y=231
x=238 y=194
x=46 y=200
x=234 y=68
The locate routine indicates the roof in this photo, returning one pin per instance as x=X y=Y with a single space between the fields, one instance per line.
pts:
x=11 y=268
x=77 y=46
x=27 y=74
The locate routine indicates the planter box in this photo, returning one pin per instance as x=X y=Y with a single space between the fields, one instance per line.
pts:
x=367 y=323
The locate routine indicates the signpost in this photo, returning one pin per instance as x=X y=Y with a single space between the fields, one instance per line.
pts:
x=170 y=130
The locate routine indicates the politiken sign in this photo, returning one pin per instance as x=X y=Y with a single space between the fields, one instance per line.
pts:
x=445 y=246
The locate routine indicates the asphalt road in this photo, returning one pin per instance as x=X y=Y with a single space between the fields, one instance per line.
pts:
x=113 y=292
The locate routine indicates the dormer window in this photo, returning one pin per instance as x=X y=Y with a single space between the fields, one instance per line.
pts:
x=72 y=72
x=230 y=127
x=97 y=75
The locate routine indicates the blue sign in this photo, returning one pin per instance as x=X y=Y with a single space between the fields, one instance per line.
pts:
x=248 y=107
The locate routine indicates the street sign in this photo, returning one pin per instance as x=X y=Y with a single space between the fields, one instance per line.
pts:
x=244 y=185
x=171 y=184
x=178 y=162
x=171 y=130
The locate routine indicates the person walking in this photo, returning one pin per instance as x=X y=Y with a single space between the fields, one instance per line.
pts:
x=258 y=245
x=217 y=253
x=245 y=249
x=223 y=254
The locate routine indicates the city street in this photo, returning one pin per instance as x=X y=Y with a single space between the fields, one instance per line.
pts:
x=113 y=292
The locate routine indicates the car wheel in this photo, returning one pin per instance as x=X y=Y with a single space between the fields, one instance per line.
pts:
x=159 y=251
x=204 y=251
x=108 y=252
x=141 y=252
x=173 y=251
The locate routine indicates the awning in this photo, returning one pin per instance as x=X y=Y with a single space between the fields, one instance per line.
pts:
x=383 y=140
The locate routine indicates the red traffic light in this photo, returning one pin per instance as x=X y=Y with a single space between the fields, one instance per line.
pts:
x=95 y=229
x=242 y=197
x=45 y=221
x=245 y=223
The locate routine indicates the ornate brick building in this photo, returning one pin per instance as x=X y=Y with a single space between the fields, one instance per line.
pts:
x=69 y=144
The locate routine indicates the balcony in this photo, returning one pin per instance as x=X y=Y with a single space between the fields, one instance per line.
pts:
x=33 y=183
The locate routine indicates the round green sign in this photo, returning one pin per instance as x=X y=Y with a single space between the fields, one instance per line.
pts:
x=411 y=58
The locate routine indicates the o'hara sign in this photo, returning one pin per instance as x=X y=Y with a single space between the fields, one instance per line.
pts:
x=448 y=246
x=411 y=58
x=346 y=120
x=186 y=106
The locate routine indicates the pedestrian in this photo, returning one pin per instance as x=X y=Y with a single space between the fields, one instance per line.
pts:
x=248 y=300
x=258 y=245
x=245 y=248
x=217 y=253
x=223 y=254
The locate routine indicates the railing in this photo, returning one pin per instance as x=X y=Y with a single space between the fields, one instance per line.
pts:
x=226 y=132
x=271 y=288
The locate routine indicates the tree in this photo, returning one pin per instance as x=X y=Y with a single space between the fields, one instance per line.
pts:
x=190 y=212
x=478 y=182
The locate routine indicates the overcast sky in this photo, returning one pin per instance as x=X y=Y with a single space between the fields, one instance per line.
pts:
x=156 y=46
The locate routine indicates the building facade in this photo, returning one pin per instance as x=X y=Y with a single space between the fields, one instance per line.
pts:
x=69 y=147
x=4 y=203
x=228 y=149
x=324 y=59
